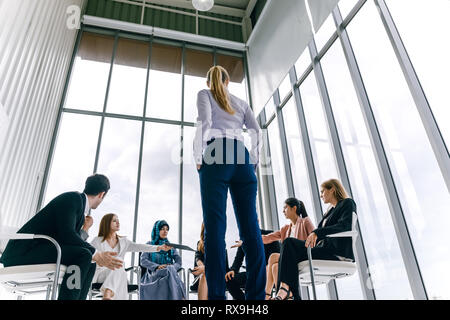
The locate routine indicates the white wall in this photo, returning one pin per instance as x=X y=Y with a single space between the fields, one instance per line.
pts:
x=35 y=51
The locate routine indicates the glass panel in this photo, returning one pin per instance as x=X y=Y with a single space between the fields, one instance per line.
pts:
x=164 y=88
x=325 y=32
x=129 y=78
x=285 y=87
x=299 y=169
x=197 y=64
x=345 y=6
x=302 y=63
x=118 y=160
x=192 y=203
x=235 y=68
x=419 y=182
x=270 y=108
x=433 y=72
x=378 y=233
x=160 y=181
x=279 y=175
x=74 y=155
x=90 y=73
x=318 y=131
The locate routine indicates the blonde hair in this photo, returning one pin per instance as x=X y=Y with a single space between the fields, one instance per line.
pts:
x=216 y=78
x=339 y=190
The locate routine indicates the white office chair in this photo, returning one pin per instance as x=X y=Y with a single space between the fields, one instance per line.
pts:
x=32 y=279
x=316 y=272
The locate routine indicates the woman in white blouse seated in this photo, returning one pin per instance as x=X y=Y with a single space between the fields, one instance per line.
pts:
x=115 y=281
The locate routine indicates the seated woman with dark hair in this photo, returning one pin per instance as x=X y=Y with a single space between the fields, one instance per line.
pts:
x=299 y=228
x=338 y=218
x=161 y=281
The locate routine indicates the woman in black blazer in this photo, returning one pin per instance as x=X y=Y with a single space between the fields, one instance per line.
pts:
x=338 y=218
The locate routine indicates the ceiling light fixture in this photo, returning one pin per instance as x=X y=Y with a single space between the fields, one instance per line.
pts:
x=203 y=5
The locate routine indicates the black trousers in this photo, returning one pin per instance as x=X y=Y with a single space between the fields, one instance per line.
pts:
x=236 y=285
x=293 y=251
x=71 y=288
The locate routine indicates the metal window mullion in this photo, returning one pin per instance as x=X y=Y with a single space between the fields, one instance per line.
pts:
x=180 y=198
x=423 y=107
x=269 y=179
x=396 y=210
x=58 y=122
x=100 y=135
x=141 y=152
x=284 y=146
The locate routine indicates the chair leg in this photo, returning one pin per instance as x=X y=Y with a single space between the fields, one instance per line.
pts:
x=49 y=289
x=311 y=271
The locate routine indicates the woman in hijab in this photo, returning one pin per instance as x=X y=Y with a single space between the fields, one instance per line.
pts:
x=160 y=280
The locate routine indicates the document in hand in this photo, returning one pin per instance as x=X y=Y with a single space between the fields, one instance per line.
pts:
x=179 y=246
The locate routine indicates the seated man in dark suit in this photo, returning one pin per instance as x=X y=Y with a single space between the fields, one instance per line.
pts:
x=236 y=280
x=62 y=219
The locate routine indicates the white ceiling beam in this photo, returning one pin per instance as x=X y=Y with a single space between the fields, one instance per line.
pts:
x=164 y=33
x=234 y=12
x=147 y=5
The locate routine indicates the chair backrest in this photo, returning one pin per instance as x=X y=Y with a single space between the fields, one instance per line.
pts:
x=5 y=231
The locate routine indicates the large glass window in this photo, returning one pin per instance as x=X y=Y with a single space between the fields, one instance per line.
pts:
x=74 y=154
x=345 y=6
x=318 y=131
x=129 y=78
x=235 y=67
x=164 y=87
x=418 y=179
x=160 y=180
x=430 y=57
x=197 y=64
x=302 y=186
x=285 y=87
x=302 y=63
x=377 y=229
x=278 y=172
x=320 y=141
x=118 y=160
x=90 y=73
x=326 y=30
x=192 y=203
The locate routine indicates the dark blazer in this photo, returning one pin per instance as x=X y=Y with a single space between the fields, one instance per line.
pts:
x=62 y=219
x=269 y=248
x=339 y=219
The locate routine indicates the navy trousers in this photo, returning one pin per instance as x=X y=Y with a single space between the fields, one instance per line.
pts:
x=230 y=170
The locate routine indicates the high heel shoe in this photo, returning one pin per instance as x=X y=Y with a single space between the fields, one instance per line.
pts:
x=287 y=297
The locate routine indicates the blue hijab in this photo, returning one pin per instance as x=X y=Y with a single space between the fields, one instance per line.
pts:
x=161 y=257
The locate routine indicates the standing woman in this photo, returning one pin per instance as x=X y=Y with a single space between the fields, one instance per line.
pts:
x=161 y=281
x=223 y=164
x=338 y=218
x=115 y=281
